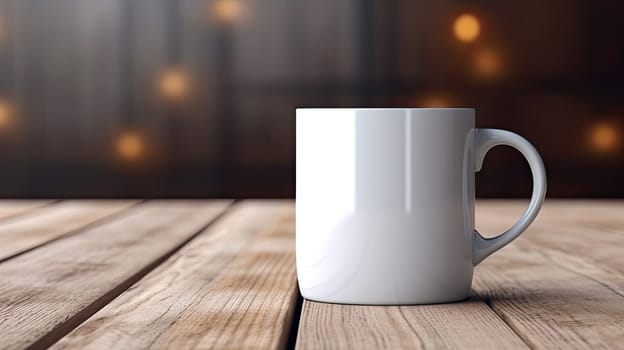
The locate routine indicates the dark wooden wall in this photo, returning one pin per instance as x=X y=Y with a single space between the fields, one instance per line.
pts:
x=78 y=75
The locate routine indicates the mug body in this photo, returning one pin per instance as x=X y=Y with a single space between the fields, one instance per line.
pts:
x=385 y=204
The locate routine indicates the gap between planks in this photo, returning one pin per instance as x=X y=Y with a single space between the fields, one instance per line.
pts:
x=11 y=209
x=296 y=320
x=36 y=228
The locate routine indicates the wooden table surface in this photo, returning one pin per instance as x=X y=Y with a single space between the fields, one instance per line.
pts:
x=221 y=274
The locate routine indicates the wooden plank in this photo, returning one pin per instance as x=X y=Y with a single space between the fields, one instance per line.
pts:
x=234 y=286
x=493 y=216
x=561 y=285
x=549 y=305
x=15 y=207
x=568 y=227
x=31 y=230
x=47 y=292
x=465 y=325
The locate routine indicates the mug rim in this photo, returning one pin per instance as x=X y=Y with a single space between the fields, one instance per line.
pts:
x=388 y=108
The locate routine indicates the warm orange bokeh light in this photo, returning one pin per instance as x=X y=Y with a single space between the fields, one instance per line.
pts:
x=487 y=63
x=227 y=11
x=466 y=28
x=130 y=146
x=174 y=84
x=6 y=114
x=435 y=101
x=605 y=137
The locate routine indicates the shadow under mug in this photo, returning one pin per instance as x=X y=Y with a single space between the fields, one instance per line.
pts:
x=385 y=203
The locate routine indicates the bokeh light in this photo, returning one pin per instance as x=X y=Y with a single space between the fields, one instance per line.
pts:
x=174 y=84
x=436 y=101
x=605 y=137
x=6 y=114
x=466 y=28
x=487 y=63
x=130 y=146
x=227 y=11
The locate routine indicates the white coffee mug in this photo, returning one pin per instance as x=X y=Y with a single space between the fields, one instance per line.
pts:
x=385 y=203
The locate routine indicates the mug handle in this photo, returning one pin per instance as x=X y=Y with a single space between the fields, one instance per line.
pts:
x=485 y=139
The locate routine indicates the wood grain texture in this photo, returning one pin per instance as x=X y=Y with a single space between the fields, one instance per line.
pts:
x=40 y=226
x=595 y=227
x=562 y=284
x=49 y=291
x=13 y=208
x=234 y=286
x=467 y=325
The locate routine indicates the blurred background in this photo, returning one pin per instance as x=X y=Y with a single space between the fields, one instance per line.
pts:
x=196 y=98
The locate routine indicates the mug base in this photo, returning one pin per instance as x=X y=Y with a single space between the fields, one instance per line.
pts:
x=425 y=301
